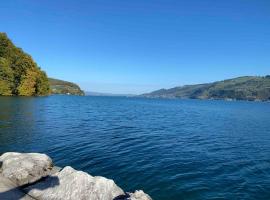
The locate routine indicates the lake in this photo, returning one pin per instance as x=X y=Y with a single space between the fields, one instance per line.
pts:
x=172 y=149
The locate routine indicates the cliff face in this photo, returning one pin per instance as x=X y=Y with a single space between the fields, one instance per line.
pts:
x=31 y=176
x=241 y=88
x=64 y=87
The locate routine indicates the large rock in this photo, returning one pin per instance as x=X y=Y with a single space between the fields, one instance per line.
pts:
x=139 y=195
x=10 y=191
x=41 y=181
x=24 y=168
x=70 y=184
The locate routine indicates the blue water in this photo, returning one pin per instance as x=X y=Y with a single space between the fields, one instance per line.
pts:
x=172 y=149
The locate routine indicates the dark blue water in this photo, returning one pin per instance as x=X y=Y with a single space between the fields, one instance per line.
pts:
x=172 y=149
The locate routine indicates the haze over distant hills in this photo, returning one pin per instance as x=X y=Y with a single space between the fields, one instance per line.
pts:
x=242 y=88
x=88 y=93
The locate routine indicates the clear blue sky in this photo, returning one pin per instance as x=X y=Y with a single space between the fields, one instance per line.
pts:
x=135 y=46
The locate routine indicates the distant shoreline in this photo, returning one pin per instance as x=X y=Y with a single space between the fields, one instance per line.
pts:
x=216 y=99
x=249 y=88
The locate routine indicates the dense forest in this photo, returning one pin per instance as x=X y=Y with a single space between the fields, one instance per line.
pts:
x=19 y=74
x=242 y=88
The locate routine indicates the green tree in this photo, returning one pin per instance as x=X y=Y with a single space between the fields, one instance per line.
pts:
x=27 y=84
x=42 y=84
x=19 y=74
x=6 y=78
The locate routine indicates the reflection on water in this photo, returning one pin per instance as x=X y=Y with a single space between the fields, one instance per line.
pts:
x=172 y=149
x=16 y=117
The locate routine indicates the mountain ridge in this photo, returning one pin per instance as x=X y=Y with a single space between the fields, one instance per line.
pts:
x=251 y=88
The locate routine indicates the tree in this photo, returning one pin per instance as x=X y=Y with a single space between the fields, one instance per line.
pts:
x=6 y=78
x=27 y=84
x=42 y=84
x=19 y=74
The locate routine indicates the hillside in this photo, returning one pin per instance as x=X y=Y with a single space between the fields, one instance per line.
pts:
x=19 y=74
x=64 y=87
x=242 y=88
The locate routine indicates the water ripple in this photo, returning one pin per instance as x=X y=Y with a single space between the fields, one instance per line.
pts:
x=172 y=149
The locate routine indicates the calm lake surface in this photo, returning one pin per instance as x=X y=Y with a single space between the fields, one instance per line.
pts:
x=172 y=149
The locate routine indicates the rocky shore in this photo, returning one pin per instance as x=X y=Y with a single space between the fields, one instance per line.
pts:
x=32 y=176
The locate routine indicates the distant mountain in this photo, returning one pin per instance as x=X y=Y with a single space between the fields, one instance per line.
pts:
x=106 y=94
x=64 y=87
x=242 y=88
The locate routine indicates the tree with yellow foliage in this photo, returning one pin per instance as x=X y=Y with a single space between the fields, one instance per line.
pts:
x=19 y=74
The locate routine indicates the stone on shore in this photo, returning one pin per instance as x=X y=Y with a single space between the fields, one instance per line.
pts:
x=24 y=168
x=31 y=176
x=139 y=195
x=70 y=184
x=10 y=191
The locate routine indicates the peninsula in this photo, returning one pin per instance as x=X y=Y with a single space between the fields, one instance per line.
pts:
x=65 y=87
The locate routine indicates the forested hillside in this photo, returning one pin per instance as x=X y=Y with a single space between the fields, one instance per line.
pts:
x=241 y=88
x=19 y=74
x=64 y=87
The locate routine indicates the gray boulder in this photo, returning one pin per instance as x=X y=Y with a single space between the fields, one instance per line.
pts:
x=42 y=181
x=10 y=191
x=70 y=184
x=139 y=195
x=24 y=168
